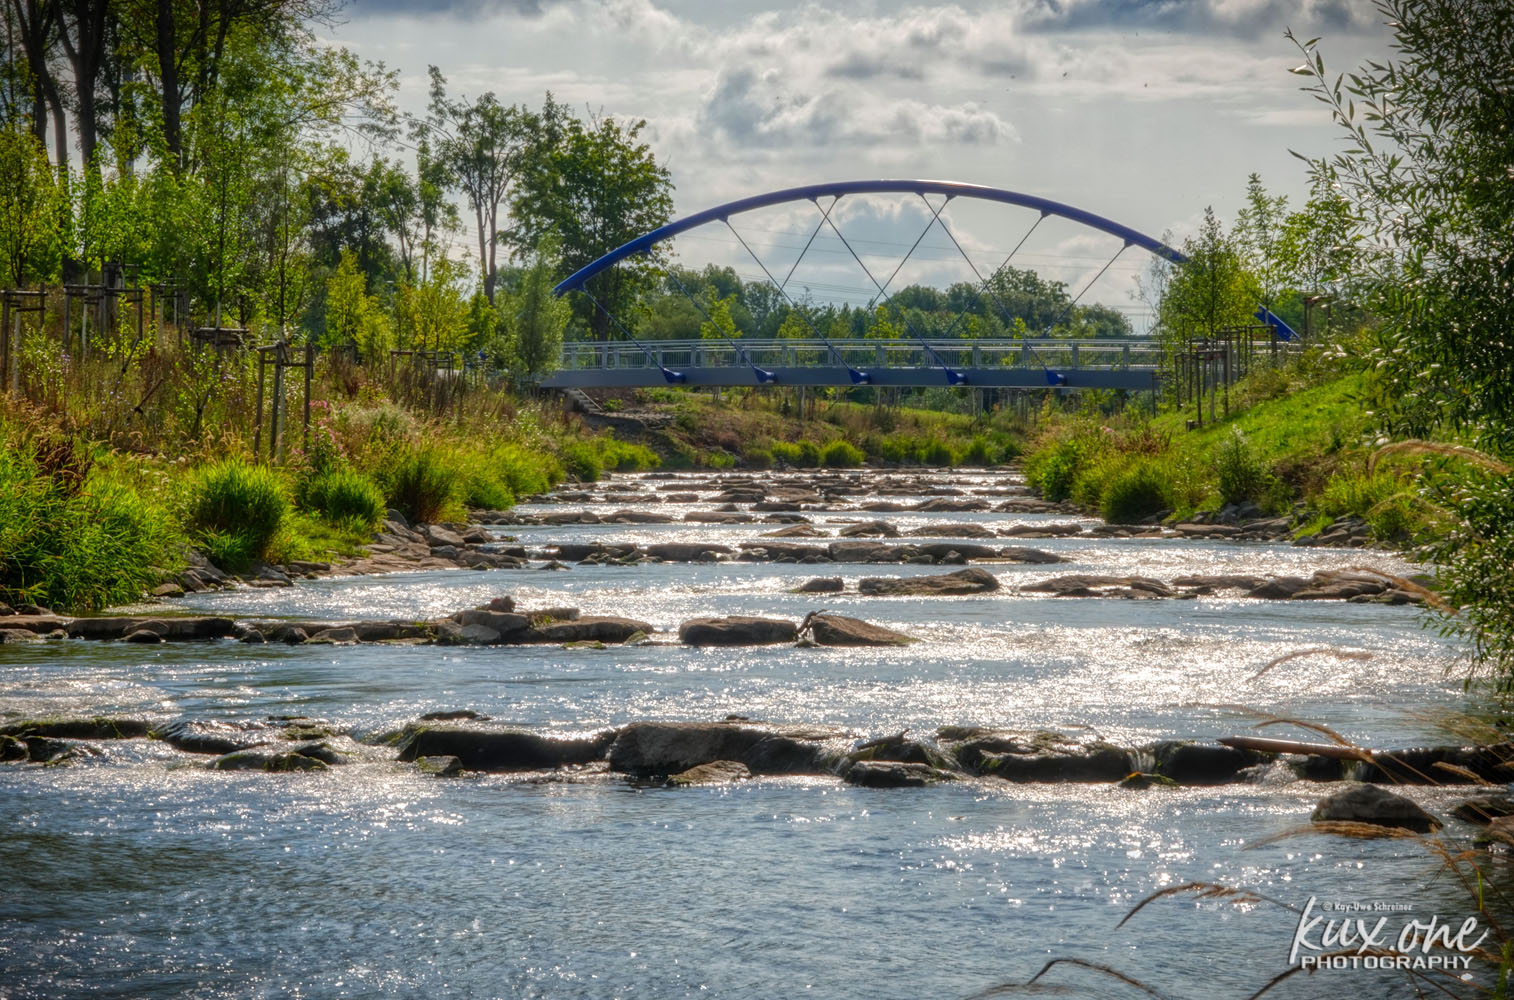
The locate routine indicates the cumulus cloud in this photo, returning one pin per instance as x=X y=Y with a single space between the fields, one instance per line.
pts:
x=1240 y=18
x=751 y=108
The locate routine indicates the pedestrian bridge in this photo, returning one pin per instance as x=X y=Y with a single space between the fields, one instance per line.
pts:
x=1006 y=363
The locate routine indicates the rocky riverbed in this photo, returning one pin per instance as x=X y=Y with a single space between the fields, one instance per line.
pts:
x=876 y=689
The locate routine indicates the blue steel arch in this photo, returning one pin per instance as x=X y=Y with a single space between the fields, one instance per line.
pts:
x=810 y=192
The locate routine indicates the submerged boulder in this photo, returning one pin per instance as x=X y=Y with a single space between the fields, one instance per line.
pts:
x=93 y=727
x=962 y=582
x=821 y=585
x=1034 y=756
x=211 y=737
x=894 y=774
x=716 y=772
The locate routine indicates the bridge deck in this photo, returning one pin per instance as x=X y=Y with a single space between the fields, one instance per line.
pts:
x=1089 y=364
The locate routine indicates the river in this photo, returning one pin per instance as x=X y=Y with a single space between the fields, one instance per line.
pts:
x=137 y=873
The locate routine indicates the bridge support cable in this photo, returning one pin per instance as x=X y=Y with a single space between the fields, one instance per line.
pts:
x=763 y=375
x=667 y=373
x=824 y=214
x=1051 y=376
x=935 y=215
x=952 y=377
x=857 y=377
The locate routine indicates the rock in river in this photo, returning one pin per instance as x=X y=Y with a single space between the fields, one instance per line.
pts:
x=839 y=630
x=1359 y=803
x=499 y=749
x=716 y=772
x=667 y=748
x=964 y=581
x=737 y=630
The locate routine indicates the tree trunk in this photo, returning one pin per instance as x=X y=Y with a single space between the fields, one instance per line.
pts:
x=168 y=78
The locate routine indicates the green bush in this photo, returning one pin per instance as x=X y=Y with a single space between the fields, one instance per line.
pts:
x=841 y=455
x=809 y=454
x=423 y=484
x=757 y=458
x=237 y=510
x=1382 y=500
x=345 y=497
x=783 y=451
x=77 y=543
x=977 y=452
x=1053 y=471
x=899 y=447
x=524 y=472
x=1239 y=470
x=582 y=461
x=623 y=456
x=936 y=453
x=1138 y=492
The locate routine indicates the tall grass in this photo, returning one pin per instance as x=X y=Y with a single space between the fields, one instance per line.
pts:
x=77 y=543
x=237 y=511
x=344 y=497
x=425 y=484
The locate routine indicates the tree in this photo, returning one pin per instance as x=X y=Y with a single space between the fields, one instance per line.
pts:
x=481 y=144
x=1259 y=234
x=597 y=186
x=1426 y=172
x=1210 y=291
x=537 y=318
x=29 y=205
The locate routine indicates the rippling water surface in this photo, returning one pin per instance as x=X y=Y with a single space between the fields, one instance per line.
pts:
x=137 y=873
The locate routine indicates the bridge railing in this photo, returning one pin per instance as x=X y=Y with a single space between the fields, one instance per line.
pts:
x=864 y=354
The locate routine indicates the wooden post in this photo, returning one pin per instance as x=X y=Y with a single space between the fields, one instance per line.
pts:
x=309 y=371
x=257 y=435
x=277 y=407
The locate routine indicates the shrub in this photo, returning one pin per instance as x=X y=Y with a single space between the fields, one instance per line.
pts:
x=1137 y=492
x=842 y=455
x=423 y=484
x=936 y=453
x=582 y=461
x=809 y=454
x=1240 y=471
x=783 y=451
x=237 y=510
x=977 y=452
x=623 y=456
x=345 y=497
x=1052 y=471
x=757 y=458
x=523 y=472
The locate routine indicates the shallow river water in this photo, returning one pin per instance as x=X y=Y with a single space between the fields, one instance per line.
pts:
x=139 y=874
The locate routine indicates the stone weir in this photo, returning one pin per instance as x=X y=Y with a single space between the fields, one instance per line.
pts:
x=682 y=753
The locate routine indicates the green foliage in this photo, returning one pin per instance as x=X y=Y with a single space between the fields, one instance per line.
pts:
x=596 y=185
x=978 y=452
x=1138 y=492
x=1383 y=500
x=423 y=483
x=29 y=209
x=841 y=455
x=72 y=537
x=582 y=460
x=625 y=456
x=1474 y=557
x=757 y=458
x=937 y=453
x=343 y=496
x=1239 y=471
x=353 y=316
x=237 y=510
x=1054 y=470
x=535 y=317
x=801 y=454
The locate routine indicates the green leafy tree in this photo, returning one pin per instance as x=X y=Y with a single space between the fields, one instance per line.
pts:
x=720 y=325
x=29 y=208
x=595 y=185
x=537 y=318
x=1259 y=234
x=482 y=144
x=353 y=316
x=1210 y=291
x=1426 y=170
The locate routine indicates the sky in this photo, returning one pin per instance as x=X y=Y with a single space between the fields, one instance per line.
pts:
x=1142 y=111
